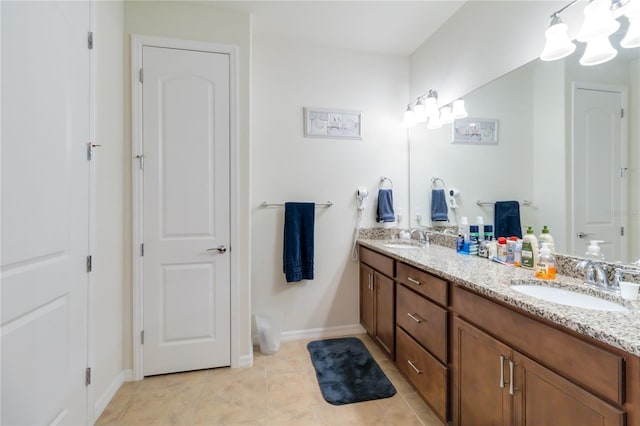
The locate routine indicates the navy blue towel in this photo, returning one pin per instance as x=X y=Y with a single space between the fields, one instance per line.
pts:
x=385 y=206
x=297 y=256
x=507 y=219
x=439 y=211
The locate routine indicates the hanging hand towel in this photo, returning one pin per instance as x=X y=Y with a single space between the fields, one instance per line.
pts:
x=507 y=219
x=439 y=211
x=297 y=256
x=385 y=206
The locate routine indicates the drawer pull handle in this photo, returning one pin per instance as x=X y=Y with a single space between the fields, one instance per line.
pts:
x=416 y=282
x=414 y=317
x=414 y=367
x=501 y=371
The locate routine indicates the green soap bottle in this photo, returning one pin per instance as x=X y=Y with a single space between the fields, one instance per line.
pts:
x=529 y=249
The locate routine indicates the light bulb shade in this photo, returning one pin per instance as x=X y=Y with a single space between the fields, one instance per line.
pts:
x=459 y=110
x=430 y=106
x=434 y=121
x=409 y=118
x=598 y=21
x=446 y=117
x=421 y=112
x=632 y=38
x=558 y=44
x=597 y=52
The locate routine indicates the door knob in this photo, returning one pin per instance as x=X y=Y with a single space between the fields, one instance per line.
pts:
x=583 y=235
x=219 y=249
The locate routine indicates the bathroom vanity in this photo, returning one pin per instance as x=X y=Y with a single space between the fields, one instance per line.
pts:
x=479 y=352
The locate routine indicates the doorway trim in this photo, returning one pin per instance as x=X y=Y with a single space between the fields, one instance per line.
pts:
x=137 y=43
x=624 y=93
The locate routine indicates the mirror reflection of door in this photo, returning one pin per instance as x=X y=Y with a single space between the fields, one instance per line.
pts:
x=599 y=170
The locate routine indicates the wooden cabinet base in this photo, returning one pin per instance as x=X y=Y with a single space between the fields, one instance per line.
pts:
x=423 y=371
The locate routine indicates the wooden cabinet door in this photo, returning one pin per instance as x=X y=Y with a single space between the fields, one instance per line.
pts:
x=384 y=312
x=367 y=311
x=480 y=378
x=544 y=398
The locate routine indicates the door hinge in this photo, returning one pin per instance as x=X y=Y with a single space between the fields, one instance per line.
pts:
x=621 y=112
x=89 y=263
x=622 y=231
x=142 y=337
x=141 y=160
x=87 y=376
x=90 y=40
x=142 y=249
x=141 y=76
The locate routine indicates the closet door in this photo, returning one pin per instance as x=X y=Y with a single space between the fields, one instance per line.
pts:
x=45 y=200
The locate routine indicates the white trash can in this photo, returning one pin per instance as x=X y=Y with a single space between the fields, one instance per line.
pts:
x=269 y=329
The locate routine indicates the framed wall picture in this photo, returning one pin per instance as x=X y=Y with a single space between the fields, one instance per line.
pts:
x=475 y=131
x=332 y=123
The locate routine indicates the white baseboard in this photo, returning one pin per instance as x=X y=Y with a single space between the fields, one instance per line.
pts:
x=318 y=333
x=244 y=361
x=102 y=402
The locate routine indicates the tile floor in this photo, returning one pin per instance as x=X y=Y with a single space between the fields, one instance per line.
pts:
x=279 y=389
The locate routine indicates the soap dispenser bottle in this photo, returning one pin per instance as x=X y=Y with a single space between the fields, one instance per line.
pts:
x=529 y=249
x=593 y=251
x=546 y=265
x=546 y=237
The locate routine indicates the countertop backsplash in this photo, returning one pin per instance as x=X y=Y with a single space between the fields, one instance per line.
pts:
x=565 y=264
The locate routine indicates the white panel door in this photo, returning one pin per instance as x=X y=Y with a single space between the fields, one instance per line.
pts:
x=598 y=197
x=45 y=190
x=186 y=288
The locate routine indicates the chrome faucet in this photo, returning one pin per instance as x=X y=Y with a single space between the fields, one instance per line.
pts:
x=617 y=276
x=596 y=275
x=420 y=235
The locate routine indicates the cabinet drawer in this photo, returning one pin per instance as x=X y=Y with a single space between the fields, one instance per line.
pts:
x=423 y=282
x=425 y=321
x=590 y=366
x=377 y=261
x=426 y=374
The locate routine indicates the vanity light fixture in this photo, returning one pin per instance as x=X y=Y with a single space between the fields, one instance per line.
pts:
x=434 y=121
x=599 y=23
x=409 y=117
x=420 y=111
x=446 y=117
x=558 y=44
x=459 y=110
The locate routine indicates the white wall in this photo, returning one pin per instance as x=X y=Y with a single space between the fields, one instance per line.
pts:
x=288 y=167
x=634 y=158
x=195 y=21
x=109 y=176
x=482 y=41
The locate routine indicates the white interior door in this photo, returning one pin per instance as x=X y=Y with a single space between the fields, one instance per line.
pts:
x=45 y=211
x=598 y=196
x=185 y=103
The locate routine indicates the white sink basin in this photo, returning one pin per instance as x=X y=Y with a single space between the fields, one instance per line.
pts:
x=568 y=298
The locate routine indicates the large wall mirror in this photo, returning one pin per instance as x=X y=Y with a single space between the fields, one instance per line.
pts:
x=563 y=145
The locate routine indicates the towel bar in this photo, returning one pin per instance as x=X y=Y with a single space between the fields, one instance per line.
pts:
x=265 y=204
x=490 y=203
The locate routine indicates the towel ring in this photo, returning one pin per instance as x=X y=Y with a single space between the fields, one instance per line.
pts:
x=384 y=179
x=434 y=183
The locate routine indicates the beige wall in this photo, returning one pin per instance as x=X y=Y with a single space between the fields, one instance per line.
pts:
x=202 y=22
x=286 y=166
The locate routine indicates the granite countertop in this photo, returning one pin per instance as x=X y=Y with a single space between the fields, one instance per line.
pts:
x=618 y=329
